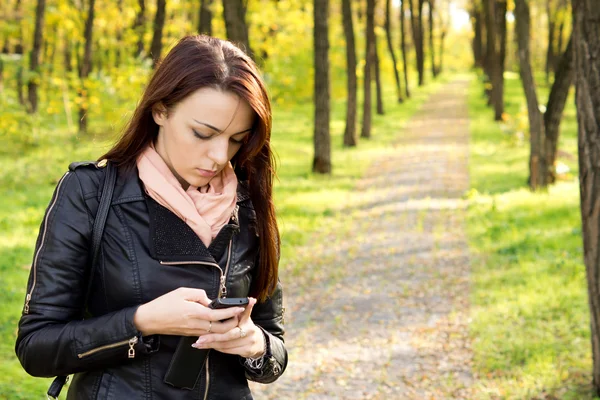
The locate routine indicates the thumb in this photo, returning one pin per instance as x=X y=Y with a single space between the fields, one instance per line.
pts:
x=245 y=316
x=195 y=295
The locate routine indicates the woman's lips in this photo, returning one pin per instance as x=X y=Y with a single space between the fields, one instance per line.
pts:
x=206 y=172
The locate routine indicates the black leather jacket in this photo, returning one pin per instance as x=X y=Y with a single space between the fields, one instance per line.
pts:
x=146 y=252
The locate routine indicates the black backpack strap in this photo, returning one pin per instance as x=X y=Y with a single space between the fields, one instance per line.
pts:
x=108 y=189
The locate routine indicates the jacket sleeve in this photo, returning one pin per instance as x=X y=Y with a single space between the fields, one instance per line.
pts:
x=268 y=316
x=52 y=338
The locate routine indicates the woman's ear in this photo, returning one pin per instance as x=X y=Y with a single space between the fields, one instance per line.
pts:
x=159 y=113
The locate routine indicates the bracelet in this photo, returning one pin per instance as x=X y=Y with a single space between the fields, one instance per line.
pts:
x=257 y=363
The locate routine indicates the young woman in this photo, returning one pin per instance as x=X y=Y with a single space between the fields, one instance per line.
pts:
x=191 y=219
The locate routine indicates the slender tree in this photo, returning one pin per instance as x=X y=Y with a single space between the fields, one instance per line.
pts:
x=551 y=35
x=34 y=60
x=434 y=71
x=537 y=159
x=322 y=139
x=159 y=23
x=586 y=42
x=234 y=14
x=350 y=139
x=369 y=60
x=139 y=27
x=388 y=35
x=492 y=59
x=478 y=48
x=403 y=46
x=377 y=67
x=205 y=17
x=416 y=14
x=86 y=66
x=565 y=75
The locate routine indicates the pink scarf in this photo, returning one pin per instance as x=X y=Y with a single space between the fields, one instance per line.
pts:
x=206 y=210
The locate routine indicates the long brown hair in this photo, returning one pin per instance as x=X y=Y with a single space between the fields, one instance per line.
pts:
x=203 y=61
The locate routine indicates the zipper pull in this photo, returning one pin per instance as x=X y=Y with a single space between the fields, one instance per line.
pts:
x=235 y=214
x=222 y=288
x=27 y=299
x=132 y=342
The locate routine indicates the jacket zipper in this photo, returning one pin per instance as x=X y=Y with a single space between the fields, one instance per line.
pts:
x=130 y=353
x=223 y=292
x=37 y=254
x=207 y=378
x=221 y=276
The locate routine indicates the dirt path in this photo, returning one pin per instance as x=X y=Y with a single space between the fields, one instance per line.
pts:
x=391 y=324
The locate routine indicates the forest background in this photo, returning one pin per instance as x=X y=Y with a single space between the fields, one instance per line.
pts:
x=71 y=72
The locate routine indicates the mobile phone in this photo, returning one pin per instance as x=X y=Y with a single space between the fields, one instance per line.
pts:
x=227 y=302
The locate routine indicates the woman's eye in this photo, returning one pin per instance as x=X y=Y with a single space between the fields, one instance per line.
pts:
x=237 y=141
x=200 y=136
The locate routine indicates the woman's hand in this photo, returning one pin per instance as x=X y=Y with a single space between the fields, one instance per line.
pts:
x=184 y=312
x=245 y=339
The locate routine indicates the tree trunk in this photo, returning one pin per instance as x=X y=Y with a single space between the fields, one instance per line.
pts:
x=159 y=23
x=205 y=17
x=478 y=52
x=378 y=89
x=369 y=60
x=119 y=37
x=403 y=47
x=350 y=139
x=388 y=35
x=537 y=160
x=501 y=7
x=34 y=59
x=559 y=45
x=492 y=60
x=86 y=67
x=556 y=104
x=322 y=139
x=551 y=34
x=417 y=33
x=139 y=27
x=434 y=71
x=234 y=14
x=586 y=42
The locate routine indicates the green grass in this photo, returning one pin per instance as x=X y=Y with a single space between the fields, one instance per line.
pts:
x=38 y=151
x=530 y=329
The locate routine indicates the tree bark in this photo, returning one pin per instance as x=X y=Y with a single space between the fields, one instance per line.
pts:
x=417 y=33
x=403 y=47
x=322 y=139
x=586 y=42
x=350 y=138
x=537 y=160
x=478 y=51
x=159 y=23
x=86 y=66
x=369 y=59
x=234 y=14
x=556 y=104
x=492 y=60
x=388 y=35
x=34 y=59
x=551 y=34
x=434 y=71
x=378 y=88
x=205 y=17
x=501 y=7
x=139 y=26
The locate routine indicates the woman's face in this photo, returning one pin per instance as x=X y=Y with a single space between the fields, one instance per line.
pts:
x=199 y=136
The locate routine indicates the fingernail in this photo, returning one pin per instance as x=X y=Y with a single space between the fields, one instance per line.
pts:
x=200 y=341
x=194 y=345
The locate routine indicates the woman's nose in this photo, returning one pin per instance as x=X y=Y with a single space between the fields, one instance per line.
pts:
x=218 y=151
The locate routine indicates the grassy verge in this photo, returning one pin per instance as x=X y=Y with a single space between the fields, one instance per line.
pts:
x=306 y=203
x=530 y=327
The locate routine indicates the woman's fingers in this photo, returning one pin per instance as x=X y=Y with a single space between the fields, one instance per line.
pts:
x=245 y=317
